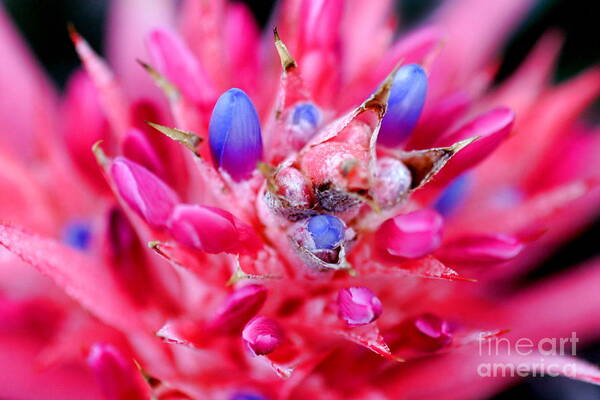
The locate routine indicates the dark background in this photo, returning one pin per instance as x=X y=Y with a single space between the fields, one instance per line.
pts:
x=43 y=23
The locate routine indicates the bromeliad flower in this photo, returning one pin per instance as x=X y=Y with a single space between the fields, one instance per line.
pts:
x=329 y=213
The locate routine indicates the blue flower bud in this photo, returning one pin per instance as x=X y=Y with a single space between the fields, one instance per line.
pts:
x=406 y=101
x=327 y=231
x=234 y=134
x=306 y=114
x=246 y=396
x=77 y=234
x=452 y=196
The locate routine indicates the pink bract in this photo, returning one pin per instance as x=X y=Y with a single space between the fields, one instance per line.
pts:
x=164 y=278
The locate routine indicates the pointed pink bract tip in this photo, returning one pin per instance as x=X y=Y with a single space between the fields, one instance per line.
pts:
x=411 y=235
x=85 y=123
x=173 y=59
x=73 y=34
x=262 y=335
x=118 y=378
x=138 y=148
x=358 y=306
x=143 y=191
x=492 y=128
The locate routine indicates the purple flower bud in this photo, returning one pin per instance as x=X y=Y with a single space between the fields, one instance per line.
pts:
x=246 y=396
x=77 y=234
x=234 y=134
x=239 y=308
x=358 y=306
x=451 y=197
x=406 y=101
x=306 y=114
x=143 y=191
x=118 y=378
x=326 y=231
x=303 y=122
x=262 y=335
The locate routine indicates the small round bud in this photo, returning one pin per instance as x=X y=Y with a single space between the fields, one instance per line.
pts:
x=294 y=188
x=262 y=335
x=358 y=306
x=392 y=181
x=327 y=231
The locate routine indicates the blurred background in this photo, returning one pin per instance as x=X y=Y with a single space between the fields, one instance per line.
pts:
x=43 y=23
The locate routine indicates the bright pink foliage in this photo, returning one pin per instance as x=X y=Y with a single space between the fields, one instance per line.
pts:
x=170 y=280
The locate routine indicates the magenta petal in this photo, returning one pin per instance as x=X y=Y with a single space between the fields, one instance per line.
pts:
x=411 y=235
x=320 y=22
x=427 y=332
x=26 y=95
x=242 y=39
x=481 y=249
x=138 y=148
x=79 y=276
x=85 y=124
x=239 y=308
x=208 y=229
x=143 y=191
x=262 y=335
x=173 y=59
x=118 y=378
x=492 y=128
x=128 y=22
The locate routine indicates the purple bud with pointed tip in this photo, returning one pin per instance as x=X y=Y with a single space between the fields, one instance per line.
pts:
x=234 y=134
x=358 y=306
x=405 y=104
x=118 y=378
x=262 y=335
x=143 y=191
